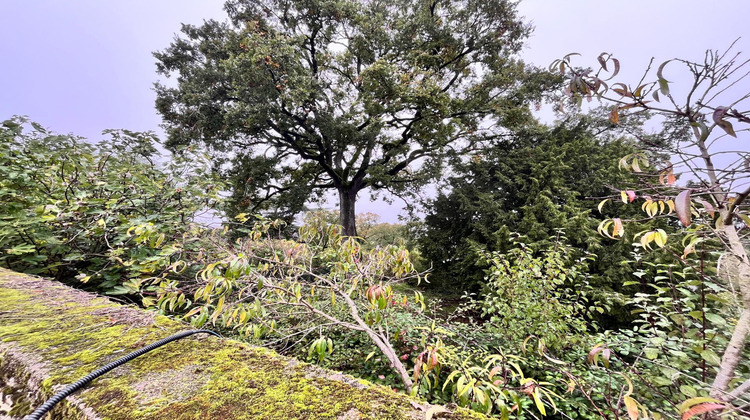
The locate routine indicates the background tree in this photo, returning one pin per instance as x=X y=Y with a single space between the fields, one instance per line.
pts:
x=540 y=181
x=711 y=201
x=258 y=186
x=343 y=94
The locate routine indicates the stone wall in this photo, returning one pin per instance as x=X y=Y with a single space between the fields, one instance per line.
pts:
x=52 y=335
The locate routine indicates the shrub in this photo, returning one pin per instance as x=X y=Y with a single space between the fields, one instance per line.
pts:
x=113 y=215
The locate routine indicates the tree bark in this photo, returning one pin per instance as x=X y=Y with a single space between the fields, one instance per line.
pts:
x=347 y=212
x=380 y=341
x=733 y=353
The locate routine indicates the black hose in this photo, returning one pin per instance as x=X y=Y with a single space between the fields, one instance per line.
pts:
x=50 y=403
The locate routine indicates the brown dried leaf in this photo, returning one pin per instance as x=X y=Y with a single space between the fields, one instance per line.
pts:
x=602 y=61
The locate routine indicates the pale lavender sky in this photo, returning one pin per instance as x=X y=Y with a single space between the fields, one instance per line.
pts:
x=83 y=66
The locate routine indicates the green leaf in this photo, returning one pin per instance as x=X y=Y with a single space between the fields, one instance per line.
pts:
x=716 y=319
x=661 y=381
x=663 y=86
x=688 y=391
x=660 y=70
x=711 y=357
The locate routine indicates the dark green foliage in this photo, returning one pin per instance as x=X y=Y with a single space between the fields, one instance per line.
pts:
x=258 y=185
x=538 y=182
x=103 y=212
x=344 y=94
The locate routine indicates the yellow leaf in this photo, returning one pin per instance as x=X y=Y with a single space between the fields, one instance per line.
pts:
x=601 y=204
x=660 y=237
x=670 y=203
x=481 y=396
x=525 y=341
x=623 y=163
x=614 y=116
x=192 y=312
x=466 y=388
x=217 y=312
x=602 y=228
x=653 y=209
x=632 y=407
x=645 y=239
x=618 y=229
x=630 y=385
x=435 y=409
x=538 y=402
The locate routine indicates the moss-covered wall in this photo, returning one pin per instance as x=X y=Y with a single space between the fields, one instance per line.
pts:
x=51 y=335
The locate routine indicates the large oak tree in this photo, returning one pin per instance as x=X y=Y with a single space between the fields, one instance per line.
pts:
x=344 y=94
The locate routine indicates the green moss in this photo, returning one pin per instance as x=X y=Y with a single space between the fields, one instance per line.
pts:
x=226 y=379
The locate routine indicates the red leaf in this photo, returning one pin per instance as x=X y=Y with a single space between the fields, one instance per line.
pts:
x=605 y=357
x=602 y=62
x=631 y=195
x=593 y=353
x=682 y=207
x=719 y=113
x=700 y=409
x=617 y=67
x=708 y=206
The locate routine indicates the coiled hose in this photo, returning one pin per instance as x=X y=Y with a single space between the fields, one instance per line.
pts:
x=50 y=403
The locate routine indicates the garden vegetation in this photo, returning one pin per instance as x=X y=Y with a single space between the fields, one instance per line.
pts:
x=590 y=268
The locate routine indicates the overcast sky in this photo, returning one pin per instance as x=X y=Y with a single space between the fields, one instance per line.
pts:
x=82 y=66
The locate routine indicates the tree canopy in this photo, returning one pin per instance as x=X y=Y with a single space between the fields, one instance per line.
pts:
x=540 y=181
x=344 y=94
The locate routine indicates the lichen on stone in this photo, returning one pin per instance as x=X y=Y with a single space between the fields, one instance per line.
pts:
x=65 y=334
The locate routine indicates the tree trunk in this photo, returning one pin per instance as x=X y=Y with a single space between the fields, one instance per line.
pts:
x=733 y=353
x=347 y=213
